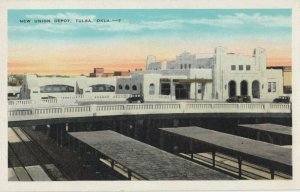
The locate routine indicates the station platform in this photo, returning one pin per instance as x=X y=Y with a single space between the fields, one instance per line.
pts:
x=146 y=161
x=269 y=155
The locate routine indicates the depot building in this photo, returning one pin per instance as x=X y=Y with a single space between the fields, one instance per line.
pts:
x=215 y=76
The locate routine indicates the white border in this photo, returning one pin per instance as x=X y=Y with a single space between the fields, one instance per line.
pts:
x=148 y=185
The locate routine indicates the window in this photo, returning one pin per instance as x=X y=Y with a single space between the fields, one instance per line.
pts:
x=248 y=67
x=134 y=87
x=151 y=89
x=165 y=89
x=241 y=67
x=185 y=66
x=190 y=66
x=181 y=66
x=120 y=87
x=200 y=88
x=56 y=89
x=273 y=86
x=127 y=87
x=103 y=88
x=233 y=67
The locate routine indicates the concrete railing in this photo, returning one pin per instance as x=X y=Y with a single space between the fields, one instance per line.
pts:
x=158 y=98
x=135 y=109
x=66 y=100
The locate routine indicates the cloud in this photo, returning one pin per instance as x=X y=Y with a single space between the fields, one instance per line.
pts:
x=255 y=19
x=224 y=21
x=71 y=16
x=51 y=28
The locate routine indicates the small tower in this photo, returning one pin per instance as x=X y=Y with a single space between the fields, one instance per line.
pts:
x=150 y=59
x=217 y=72
x=260 y=59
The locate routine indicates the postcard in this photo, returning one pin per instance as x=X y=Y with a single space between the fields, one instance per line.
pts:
x=140 y=96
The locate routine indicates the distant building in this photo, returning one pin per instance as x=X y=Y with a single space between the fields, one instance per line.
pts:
x=98 y=72
x=287 y=78
x=121 y=73
x=107 y=75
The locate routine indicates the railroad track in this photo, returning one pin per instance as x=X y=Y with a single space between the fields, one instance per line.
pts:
x=229 y=165
x=36 y=164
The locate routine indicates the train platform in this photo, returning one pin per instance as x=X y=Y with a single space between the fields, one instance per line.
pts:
x=269 y=155
x=145 y=161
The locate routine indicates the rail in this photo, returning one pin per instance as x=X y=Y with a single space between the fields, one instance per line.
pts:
x=71 y=100
x=145 y=108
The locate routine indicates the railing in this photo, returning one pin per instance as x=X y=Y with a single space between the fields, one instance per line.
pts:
x=131 y=109
x=158 y=98
x=65 y=100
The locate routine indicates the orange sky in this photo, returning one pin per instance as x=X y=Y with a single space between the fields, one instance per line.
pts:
x=76 y=58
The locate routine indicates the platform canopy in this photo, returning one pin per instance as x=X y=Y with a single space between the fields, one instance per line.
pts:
x=146 y=161
x=271 y=128
x=261 y=151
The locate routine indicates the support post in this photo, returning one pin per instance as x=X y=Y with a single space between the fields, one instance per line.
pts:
x=61 y=136
x=129 y=174
x=258 y=135
x=192 y=149
x=272 y=171
x=161 y=140
x=112 y=163
x=57 y=135
x=240 y=166
x=213 y=158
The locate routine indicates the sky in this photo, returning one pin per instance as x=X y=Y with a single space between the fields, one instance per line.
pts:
x=127 y=37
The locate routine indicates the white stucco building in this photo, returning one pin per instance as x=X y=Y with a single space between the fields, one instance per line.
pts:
x=66 y=87
x=217 y=76
x=214 y=76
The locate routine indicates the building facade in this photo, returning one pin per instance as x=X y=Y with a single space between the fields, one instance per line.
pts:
x=215 y=76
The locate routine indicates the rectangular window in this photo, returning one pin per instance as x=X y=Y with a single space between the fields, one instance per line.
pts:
x=269 y=87
x=273 y=86
x=241 y=67
x=200 y=88
x=232 y=67
x=248 y=67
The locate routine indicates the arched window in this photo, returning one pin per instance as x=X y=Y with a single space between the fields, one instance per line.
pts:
x=244 y=87
x=151 y=89
x=185 y=66
x=102 y=88
x=255 y=89
x=181 y=66
x=232 y=88
x=134 y=87
x=127 y=87
x=56 y=89
x=120 y=87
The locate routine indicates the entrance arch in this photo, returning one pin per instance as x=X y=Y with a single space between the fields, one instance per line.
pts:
x=231 y=88
x=255 y=89
x=244 y=88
